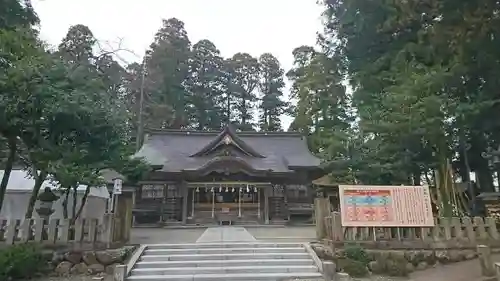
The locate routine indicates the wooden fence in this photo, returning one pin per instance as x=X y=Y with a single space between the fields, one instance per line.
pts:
x=467 y=230
x=58 y=231
x=445 y=229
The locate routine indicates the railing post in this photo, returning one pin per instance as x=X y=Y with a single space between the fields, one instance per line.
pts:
x=329 y=270
x=120 y=272
x=485 y=261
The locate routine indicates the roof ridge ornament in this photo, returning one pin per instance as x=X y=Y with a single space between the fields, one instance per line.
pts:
x=227 y=140
x=228 y=136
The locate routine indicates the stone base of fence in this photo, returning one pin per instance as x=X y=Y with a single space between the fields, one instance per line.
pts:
x=58 y=231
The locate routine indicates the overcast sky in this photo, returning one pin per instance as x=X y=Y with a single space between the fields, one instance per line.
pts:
x=252 y=26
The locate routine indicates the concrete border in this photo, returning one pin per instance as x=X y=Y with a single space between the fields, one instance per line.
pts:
x=134 y=258
x=215 y=225
x=315 y=257
x=222 y=244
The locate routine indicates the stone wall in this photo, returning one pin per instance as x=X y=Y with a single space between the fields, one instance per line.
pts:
x=397 y=262
x=64 y=263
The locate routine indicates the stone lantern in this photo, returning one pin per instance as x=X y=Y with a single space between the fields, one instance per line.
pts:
x=493 y=156
x=46 y=199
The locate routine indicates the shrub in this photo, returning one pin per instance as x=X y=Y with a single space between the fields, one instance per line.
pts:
x=21 y=261
x=397 y=267
x=357 y=253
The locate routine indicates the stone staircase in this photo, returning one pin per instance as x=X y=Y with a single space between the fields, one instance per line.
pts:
x=225 y=261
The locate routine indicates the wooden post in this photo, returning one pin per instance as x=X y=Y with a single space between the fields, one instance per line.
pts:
x=480 y=228
x=266 y=204
x=320 y=213
x=492 y=227
x=184 y=191
x=258 y=203
x=213 y=203
x=485 y=261
x=127 y=215
x=469 y=229
x=239 y=201
x=329 y=270
x=107 y=229
x=337 y=231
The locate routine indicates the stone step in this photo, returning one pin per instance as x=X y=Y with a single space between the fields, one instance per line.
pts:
x=225 y=245
x=228 y=277
x=227 y=256
x=224 y=270
x=216 y=263
x=223 y=250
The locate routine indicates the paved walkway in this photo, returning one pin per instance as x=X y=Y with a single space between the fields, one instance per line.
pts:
x=191 y=235
x=461 y=271
x=225 y=234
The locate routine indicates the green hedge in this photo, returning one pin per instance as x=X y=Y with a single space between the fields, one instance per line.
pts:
x=21 y=261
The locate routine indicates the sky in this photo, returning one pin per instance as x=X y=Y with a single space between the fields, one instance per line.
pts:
x=252 y=26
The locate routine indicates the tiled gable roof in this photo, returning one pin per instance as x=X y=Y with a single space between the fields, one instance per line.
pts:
x=176 y=151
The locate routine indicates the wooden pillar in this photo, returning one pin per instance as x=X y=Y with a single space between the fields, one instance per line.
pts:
x=285 y=195
x=134 y=194
x=123 y=216
x=127 y=216
x=184 y=192
x=320 y=212
x=485 y=261
x=266 y=204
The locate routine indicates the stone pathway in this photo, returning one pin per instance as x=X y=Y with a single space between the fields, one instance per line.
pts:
x=462 y=271
x=225 y=234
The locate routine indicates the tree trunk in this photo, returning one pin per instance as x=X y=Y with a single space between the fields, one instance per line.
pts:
x=417 y=176
x=39 y=179
x=65 y=203
x=75 y=200
x=485 y=178
x=9 y=164
x=82 y=205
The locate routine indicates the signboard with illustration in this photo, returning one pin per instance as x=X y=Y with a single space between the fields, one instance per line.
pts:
x=389 y=206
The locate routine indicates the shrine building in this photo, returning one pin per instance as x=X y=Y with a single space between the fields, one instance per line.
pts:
x=226 y=177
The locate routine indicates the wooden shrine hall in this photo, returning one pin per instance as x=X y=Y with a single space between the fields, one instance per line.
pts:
x=227 y=177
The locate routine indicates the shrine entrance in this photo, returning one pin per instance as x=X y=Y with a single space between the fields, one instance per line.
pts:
x=227 y=202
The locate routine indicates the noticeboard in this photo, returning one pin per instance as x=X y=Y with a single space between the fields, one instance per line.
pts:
x=389 y=206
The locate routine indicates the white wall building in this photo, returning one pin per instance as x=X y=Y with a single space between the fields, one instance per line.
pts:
x=19 y=191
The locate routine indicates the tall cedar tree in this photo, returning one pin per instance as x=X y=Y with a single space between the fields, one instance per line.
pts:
x=271 y=85
x=205 y=86
x=167 y=70
x=244 y=79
